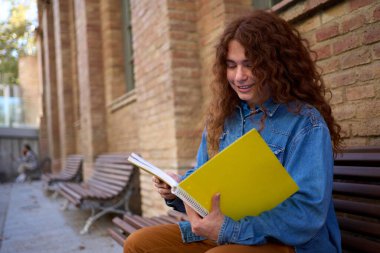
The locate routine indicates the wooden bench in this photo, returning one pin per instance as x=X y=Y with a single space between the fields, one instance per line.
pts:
x=131 y=222
x=108 y=189
x=71 y=172
x=356 y=198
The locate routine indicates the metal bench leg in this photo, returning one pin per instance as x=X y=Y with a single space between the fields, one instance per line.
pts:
x=55 y=195
x=93 y=218
x=65 y=205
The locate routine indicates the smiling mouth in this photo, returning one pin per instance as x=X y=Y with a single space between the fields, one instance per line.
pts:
x=244 y=88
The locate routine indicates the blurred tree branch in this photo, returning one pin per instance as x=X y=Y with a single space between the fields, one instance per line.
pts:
x=16 y=40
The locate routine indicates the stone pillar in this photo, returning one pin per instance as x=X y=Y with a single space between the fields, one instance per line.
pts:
x=30 y=90
x=63 y=48
x=43 y=136
x=90 y=80
x=51 y=101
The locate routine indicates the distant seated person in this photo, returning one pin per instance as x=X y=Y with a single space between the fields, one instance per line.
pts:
x=28 y=163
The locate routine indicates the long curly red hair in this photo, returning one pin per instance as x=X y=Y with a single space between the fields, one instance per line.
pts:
x=280 y=59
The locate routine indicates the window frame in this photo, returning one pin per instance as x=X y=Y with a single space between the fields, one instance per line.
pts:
x=128 y=45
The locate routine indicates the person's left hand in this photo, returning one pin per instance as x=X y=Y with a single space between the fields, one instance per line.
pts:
x=210 y=225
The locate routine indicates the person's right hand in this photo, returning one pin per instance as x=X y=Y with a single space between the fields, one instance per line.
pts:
x=163 y=188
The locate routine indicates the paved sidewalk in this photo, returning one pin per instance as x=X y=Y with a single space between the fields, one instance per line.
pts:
x=32 y=222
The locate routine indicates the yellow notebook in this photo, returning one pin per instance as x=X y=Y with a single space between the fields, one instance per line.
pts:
x=248 y=176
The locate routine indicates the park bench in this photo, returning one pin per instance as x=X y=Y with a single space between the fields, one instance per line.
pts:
x=356 y=197
x=108 y=190
x=71 y=172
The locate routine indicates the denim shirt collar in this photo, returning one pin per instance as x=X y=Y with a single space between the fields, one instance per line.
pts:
x=269 y=105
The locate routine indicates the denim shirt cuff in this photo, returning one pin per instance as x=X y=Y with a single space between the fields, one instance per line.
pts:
x=177 y=204
x=229 y=231
x=186 y=233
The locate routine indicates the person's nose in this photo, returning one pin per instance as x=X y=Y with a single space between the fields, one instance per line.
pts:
x=241 y=74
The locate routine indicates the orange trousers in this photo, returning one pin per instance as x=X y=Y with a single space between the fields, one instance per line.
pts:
x=167 y=239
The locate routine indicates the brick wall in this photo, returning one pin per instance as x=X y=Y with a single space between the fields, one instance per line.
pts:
x=185 y=74
x=121 y=119
x=113 y=49
x=346 y=38
x=154 y=92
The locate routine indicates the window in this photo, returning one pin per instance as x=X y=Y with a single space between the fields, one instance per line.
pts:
x=128 y=48
x=264 y=4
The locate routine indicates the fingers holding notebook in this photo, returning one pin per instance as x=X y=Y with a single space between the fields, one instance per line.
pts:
x=210 y=225
x=163 y=188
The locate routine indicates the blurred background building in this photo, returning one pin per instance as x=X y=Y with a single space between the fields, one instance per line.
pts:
x=20 y=86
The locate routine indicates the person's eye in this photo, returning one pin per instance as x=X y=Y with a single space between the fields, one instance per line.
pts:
x=248 y=65
x=230 y=65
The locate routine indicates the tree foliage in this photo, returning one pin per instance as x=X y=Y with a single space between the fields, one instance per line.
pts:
x=16 y=40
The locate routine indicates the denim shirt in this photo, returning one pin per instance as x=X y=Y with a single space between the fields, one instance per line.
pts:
x=301 y=141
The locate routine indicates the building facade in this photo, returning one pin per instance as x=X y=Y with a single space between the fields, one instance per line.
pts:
x=133 y=75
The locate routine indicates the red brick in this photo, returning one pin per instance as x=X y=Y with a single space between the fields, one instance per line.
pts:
x=327 y=32
x=323 y=52
x=346 y=43
x=356 y=4
x=360 y=92
x=369 y=71
x=353 y=23
x=345 y=131
x=337 y=97
x=329 y=65
x=376 y=51
x=344 y=111
x=366 y=128
x=340 y=79
x=376 y=13
x=356 y=57
x=372 y=34
x=362 y=109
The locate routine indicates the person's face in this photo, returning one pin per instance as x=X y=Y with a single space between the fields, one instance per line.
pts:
x=240 y=76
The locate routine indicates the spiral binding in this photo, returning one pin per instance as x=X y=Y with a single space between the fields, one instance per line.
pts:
x=179 y=192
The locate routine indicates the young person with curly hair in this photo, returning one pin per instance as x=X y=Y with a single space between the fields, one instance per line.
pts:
x=266 y=79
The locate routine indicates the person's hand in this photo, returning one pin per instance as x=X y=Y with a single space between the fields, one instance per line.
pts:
x=163 y=188
x=210 y=225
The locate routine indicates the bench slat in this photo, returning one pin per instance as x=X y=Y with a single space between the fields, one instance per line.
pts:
x=124 y=226
x=359 y=226
x=138 y=221
x=117 y=236
x=95 y=182
x=359 y=244
x=360 y=208
x=357 y=171
x=355 y=189
x=101 y=175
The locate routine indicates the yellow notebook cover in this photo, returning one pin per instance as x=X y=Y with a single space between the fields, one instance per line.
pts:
x=248 y=176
